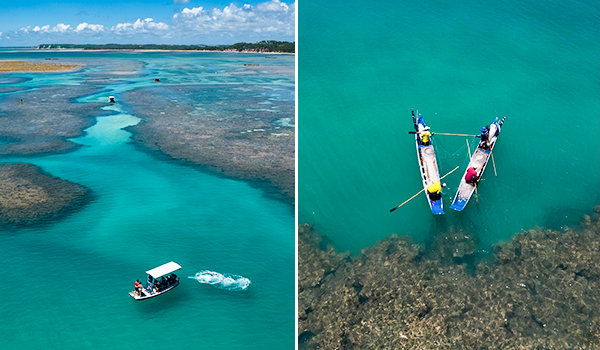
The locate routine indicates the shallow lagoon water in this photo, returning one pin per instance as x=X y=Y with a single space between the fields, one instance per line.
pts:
x=362 y=67
x=70 y=279
x=460 y=66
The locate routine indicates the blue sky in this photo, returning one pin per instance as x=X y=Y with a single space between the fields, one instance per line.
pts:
x=30 y=23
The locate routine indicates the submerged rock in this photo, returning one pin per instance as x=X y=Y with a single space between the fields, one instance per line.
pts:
x=540 y=291
x=455 y=245
x=29 y=196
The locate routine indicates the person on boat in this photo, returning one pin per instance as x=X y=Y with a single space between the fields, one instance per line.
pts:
x=150 y=285
x=484 y=137
x=471 y=176
x=138 y=287
x=425 y=136
x=434 y=191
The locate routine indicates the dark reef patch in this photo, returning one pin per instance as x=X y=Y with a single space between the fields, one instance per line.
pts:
x=29 y=196
x=12 y=88
x=235 y=131
x=541 y=290
x=12 y=80
x=46 y=119
x=109 y=73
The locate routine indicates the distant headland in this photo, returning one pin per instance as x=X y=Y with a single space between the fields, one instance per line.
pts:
x=265 y=46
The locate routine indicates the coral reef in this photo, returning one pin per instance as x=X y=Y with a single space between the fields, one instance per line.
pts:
x=28 y=195
x=234 y=131
x=41 y=121
x=540 y=291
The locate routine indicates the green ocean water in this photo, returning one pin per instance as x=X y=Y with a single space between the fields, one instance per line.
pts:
x=66 y=282
x=362 y=67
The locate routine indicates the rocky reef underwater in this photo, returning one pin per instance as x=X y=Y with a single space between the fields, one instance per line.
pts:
x=540 y=290
x=28 y=195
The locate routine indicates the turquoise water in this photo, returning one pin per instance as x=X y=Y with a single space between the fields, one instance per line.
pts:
x=363 y=67
x=69 y=280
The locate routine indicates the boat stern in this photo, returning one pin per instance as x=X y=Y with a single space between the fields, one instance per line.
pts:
x=458 y=204
x=436 y=207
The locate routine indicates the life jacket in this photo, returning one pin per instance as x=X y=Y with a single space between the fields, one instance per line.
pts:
x=425 y=135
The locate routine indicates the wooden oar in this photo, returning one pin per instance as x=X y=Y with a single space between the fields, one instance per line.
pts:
x=406 y=201
x=494 y=164
x=442 y=133
x=476 y=196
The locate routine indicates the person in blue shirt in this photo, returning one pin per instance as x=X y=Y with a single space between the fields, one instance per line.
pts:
x=484 y=137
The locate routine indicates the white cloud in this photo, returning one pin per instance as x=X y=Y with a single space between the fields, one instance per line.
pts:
x=140 y=26
x=61 y=28
x=43 y=29
x=273 y=17
x=91 y=27
x=270 y=20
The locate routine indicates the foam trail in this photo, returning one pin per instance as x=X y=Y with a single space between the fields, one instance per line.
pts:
x=222 y=281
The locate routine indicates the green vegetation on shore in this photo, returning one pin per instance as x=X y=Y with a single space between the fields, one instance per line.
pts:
x=263 y=46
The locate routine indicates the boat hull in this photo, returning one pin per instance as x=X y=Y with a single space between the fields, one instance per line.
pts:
x=148 y=295
x=428 y=166
x=479 y=159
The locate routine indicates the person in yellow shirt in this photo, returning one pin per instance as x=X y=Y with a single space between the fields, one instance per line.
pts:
x=434 y=191
x=425 y=135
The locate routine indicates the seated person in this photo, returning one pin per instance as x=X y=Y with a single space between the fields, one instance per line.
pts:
x=484 y=137
x=425 y=136
x=434 y=191
x=471 y=176
x=138 y=287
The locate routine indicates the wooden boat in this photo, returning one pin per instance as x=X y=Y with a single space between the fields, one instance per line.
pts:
x=428 y=165
x=479 y=159
x=155 y=287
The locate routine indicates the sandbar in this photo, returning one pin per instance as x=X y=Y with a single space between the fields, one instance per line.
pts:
x=28 y=66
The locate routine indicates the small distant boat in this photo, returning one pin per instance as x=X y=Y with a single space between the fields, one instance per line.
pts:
x=479 y=159
x=427 y=164
x=155 y=287
x=111 y=99
x=156 y=80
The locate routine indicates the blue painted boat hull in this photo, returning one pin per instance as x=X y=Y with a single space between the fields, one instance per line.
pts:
x=480 y=158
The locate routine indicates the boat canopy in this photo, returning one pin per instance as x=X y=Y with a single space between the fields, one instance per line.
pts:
x=163 y=269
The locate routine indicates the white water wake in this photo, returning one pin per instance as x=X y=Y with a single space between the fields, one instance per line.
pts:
x=222 y=281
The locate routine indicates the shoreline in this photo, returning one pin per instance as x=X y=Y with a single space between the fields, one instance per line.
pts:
x=21 y=49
